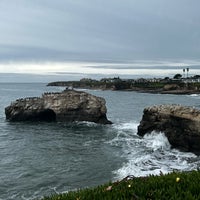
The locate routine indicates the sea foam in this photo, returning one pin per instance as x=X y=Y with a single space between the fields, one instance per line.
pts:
x=151 y=154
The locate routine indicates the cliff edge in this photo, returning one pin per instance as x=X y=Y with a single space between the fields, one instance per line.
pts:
x=180 y=124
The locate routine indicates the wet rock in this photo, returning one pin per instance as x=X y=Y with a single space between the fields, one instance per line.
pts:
x=180 y=124
x=69 y=105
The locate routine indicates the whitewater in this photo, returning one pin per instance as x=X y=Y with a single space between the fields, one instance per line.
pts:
x=39 y=159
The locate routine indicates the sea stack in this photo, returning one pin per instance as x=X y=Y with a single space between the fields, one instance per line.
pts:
x=180 y=124
x=66 y=106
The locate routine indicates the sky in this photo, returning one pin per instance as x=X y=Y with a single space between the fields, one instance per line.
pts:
x=129 y=37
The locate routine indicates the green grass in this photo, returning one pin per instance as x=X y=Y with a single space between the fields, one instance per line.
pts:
x=173 y=186
x=150 y=85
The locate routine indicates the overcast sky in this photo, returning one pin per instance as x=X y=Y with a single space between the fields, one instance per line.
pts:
x=44 y=35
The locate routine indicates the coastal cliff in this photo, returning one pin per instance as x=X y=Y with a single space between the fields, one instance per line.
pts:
x=180 y=124
x=69 y=105
x=162 y=86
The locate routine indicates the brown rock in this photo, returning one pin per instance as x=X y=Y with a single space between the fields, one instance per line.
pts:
x=68 y=105
x=180 y=124
x=171 y=87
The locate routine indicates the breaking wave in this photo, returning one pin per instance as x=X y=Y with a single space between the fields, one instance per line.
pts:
x=149 y=155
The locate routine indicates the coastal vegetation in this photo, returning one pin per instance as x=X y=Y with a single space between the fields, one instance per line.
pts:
x=154 y=85
x=174 y=186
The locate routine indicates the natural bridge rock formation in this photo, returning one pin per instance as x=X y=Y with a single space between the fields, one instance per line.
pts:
x=180 y=124
x=68 y=106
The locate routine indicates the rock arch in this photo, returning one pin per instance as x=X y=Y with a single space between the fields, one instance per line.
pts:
x=47 y=115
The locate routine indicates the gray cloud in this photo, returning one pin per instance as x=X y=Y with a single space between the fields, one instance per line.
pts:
x=99 y=30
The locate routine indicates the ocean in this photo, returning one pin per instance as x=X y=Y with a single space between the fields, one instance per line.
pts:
x=40 y=159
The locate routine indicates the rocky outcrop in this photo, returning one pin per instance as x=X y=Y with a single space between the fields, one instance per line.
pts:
x=168 y=87
x=180 y=124
x=68 y=106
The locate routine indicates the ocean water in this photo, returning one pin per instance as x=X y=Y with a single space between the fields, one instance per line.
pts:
x=40 y=159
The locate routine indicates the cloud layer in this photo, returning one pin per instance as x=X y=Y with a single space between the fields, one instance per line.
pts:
x=100 y=31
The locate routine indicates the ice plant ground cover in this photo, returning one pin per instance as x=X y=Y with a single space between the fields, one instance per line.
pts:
x=174 y=186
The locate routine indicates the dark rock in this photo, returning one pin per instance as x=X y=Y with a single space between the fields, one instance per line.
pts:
x=68 y=106
x=180 y=124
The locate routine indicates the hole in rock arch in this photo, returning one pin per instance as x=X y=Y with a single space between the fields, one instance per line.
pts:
x=47 y=115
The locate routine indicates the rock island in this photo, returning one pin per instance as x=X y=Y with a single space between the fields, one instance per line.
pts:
x=67 y=106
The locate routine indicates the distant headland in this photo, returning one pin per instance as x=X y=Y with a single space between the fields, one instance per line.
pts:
x=175 y=85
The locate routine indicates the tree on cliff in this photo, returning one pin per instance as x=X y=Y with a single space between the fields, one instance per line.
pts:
x=120 y=84
x=177 y=76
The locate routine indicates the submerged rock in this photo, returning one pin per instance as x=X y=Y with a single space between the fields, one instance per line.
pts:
x=180 y=124
x=68 y=106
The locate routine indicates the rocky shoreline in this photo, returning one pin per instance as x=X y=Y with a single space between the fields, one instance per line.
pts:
x=161 y=91
x=181 y=125
x=181 y=92
x=117 y=84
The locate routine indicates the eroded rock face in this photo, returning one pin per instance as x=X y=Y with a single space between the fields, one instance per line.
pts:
x=68 y=105
x=180 y=124
x=171 y=87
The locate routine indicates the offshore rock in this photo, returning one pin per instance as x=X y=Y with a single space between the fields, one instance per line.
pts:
x=180 y=124
x=66 y=106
